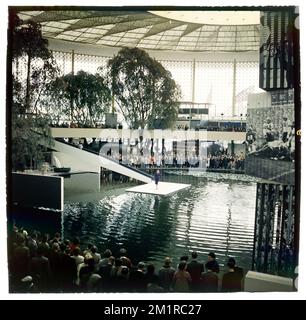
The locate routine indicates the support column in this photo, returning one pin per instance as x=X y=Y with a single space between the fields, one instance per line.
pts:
x=232 y=147
x=174 y=149
x=120 y=150
x=234 y=88
x=72 y=62
x=152 y=147
x=193 y=81
x=163 y=151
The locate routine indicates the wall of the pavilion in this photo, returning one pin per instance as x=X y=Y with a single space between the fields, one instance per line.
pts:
x=221 y=79
x=274 y=147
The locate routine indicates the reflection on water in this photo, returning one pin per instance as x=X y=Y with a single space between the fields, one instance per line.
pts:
x=211 y=215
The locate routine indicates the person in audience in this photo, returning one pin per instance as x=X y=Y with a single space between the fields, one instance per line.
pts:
x=184 y=258
x=125 y=260
x=76 y=256
x=75 y=243
x=231 y=281
x=107 y=272
x=40 y=270
x=181 y=279
x=166 y=273
x=86 y=269
x=154 y=286
x=56 y=238
x=68 y=267
x=238 y=270
x=150 y=275
x=285 y=129
x=122 y=283
x=117 y=268
x=209 y=279
x=88 y=250
x=212 y=259
x=195 y=270
x=32 y=243
x=137 y=278
x=44 y=245
x=104 y=261
x=63 y=271
x=55 y=265
x=96 y=256
x=21 y=258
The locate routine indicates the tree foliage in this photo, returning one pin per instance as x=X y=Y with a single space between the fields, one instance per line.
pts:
x=143 y=89
x=84 y=97
x=33 y=67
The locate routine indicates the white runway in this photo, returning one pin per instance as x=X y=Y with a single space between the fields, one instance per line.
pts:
x=163 y=189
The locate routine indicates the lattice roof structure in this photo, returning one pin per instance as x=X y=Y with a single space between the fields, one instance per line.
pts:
x=152 y=30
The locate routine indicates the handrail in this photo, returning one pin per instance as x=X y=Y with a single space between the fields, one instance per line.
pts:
x=108 y=158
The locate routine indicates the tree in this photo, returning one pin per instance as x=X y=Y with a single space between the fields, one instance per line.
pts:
x=33 y=63
x=33 y=67
x=143 y=89
x=84 y=97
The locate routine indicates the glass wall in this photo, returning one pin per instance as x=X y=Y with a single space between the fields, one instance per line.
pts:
x=223 y=84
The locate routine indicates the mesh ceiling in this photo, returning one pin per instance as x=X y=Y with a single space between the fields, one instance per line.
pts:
x=144 y=30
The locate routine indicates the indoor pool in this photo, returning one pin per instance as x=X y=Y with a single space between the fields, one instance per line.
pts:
x=215 y=214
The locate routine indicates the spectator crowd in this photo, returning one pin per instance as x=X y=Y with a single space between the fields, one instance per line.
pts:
x=39 y=263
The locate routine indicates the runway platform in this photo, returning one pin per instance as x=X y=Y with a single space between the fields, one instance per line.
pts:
x=163 y=189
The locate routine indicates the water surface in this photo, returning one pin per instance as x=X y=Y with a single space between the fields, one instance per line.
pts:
x=215 y=214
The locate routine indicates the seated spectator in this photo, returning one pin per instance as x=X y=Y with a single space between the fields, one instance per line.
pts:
x=181 y=278
x=209 y=279
x=214 y=265
x=166 y=274
x=231 y=281
x=195 y=269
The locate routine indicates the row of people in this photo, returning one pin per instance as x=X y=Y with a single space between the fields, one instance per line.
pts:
x=40 y=264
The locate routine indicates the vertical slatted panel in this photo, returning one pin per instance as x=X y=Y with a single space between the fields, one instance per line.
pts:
x=274 y=244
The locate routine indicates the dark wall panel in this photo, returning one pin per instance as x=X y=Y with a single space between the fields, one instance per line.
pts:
x=37 y=191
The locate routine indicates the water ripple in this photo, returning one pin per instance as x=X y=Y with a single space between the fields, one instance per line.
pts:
x=213 y=215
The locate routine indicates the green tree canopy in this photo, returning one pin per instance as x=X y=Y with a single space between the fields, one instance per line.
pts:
x=143 y=89
x=33 y=67
x=84 y=97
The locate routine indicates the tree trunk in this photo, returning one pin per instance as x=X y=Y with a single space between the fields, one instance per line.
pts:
x=27 y=98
